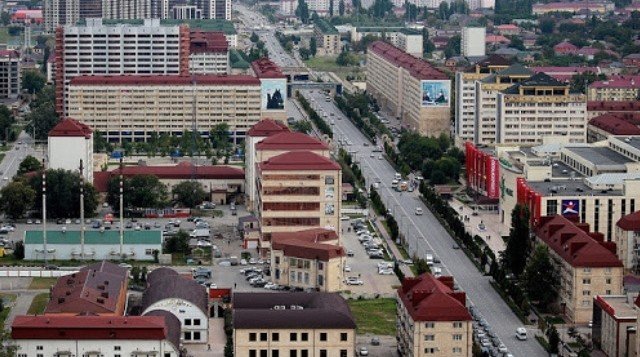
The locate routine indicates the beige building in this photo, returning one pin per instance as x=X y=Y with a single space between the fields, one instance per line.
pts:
x=614 y=324
x=309 y=259
x=466 y=98
x=285 y=324
x=135 y=107
x=327 y=38
x=540 y=106
x=432 y=318
x=410 y=88
x=586 y=264
x=627 y=238
x=615 y=89
x=297 y=190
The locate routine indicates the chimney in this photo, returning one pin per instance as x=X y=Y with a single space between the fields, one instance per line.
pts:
x=597 y=236
x=447 y=281
x=418 y=296
x=461 y=296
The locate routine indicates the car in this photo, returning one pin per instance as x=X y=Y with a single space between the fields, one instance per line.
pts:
x=482 y=227
x=243 y=262
x=350 y=253
x=128 y=225
x=485 y=342
x=37 y=221
x=502 y=348
x=379 y=157
x=67 y=221
x=481 y=334
x=385 y=272
x=253 y=261
x=375 y=341
x=59 y=221
x=51 y=267
x=156 y=225
x=125 y=265
x=363 y=351
x=521 y=333
x=372 y=155
x=347 y=269
x=269 y=286
x=352 y=280
x=419 y=211
x=29 y=221
x=455 y=246
x=76 y=221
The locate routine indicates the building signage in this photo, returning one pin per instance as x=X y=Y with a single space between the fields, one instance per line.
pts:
x=436 y=93
x=273 y=93
x=570 y=207
x=493 y=174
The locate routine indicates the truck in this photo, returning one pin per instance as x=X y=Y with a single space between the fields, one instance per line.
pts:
x=200 y=233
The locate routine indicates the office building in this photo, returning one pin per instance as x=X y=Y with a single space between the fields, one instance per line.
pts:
x=285 y=324
x=308 y=259
x=135 y=106
x=473 y=41
x=327 y=38
x=215 y=9
x=614 y=324
x=465 y=85
x=208 y=53
x=432 y=318
x=69 y=143
x=9 y=74
x=586 y=264
x=410 y=88
x=615 y=89
x=297 y=190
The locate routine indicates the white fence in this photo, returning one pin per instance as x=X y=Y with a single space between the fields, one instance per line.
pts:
x=34 y=273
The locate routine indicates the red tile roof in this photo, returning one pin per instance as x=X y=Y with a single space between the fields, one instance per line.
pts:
x=9 y=53
x=287 y=140
x=573 y=243
x=496 y=39
x=418 y=68
x=630 y=222
x=265 y=68
x=299 y=161
x=205 y=42
x=613 y=106
x=624 y=82
x=70 y=127
x=306 y=244
x=308 y=235
x=618 y=123
x=428 y=298
x=156 y=80
x=45 y=327
x=267 y=127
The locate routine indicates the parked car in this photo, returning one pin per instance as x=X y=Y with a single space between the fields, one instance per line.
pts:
x=363 y=351
x=352 y=280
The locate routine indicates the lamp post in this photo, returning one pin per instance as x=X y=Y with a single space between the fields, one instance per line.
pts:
x=81 y=211
x=44 y=211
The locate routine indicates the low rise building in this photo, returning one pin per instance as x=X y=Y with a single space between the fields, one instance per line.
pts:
x=627 y=238
x=615 y=89
x=96 y=336
x=308 y=259
x=285 y=324
x=10 y=74
x=586 y=264
x=249 y=229
x=70 y=143
x=414 y=91
x=98 y=245
x=595 y=108
x=614 y=324
x=613 y=124
x=593 y=7
x=327 y=38
x=432 y=318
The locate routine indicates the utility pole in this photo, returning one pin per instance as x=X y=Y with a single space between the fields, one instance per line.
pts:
x=44 y=211
x=81 y=211
x=121 y=211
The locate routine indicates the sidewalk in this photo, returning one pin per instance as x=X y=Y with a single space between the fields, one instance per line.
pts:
x=393 y=250
x=492 y=226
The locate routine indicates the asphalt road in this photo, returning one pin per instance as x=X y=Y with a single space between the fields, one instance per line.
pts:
x=13 y=158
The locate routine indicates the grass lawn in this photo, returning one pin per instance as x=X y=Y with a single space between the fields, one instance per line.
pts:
x=38 y=304
x=5 y=312
x=328 y=64
x=375 y=316
x=42 y=283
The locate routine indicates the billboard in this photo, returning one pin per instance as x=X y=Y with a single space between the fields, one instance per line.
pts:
x=273 y=93
x=493 y=177
x=570 y=207
x=436 y=93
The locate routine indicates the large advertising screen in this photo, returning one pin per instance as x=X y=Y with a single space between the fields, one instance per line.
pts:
x=436 y=93
x=570 y=207
x=273 y=92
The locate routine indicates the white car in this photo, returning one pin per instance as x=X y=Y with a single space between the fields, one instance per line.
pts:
x=347 y=269
x=418 y=211
x=253 y=261
x=352 y=280
x=385 y=271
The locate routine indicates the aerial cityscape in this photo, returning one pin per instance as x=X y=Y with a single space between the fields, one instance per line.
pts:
x=319 y=178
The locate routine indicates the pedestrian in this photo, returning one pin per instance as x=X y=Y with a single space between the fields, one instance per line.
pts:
x=235 y=285
x=208 y=347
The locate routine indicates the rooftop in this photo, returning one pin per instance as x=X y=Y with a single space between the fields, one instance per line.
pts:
x=618 y=306
x=204 y=25
x=599 y=156
x=629 y=82
x=537 y=80
x=68 y=127
x=287 y=140
x=157 y=80
x=633 y=141
x=265 y=68
x=94 y=237
x=614 y=106
x=418 y=68
x=267 y=127
x=575 y=244
x=308 y=244
x=205 y=42
x=299 y=160
x=175 y=287
x=625 y=123
x=630 y=222
x=286 y=310
x=428 y=298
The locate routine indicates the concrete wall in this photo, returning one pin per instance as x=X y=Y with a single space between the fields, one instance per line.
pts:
x=333 y=345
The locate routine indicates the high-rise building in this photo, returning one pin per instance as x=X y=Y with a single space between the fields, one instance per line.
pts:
x=215 y=9
x=208 y=53
x=128 y=9
x=9 y=74
x=186 y=12
x=473 y=41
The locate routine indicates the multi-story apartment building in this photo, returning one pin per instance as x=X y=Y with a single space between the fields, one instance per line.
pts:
x=410 y=88
x=9 y=74
x=472 y=41
x=108 y=50
x=432 y=318
x=327 y=38
x=540 y=107
x=615 y=89
x=627 y=238
x=215 y=9
x=208 y=53
x=587 y=266
x=407 y=39
x=465 y=85
x=127 y=9
x=308 y=259
x=68 y=143
x=614 y=123
x=134 y=107
x=614 y=324
x=297 y=190
x=285 y=324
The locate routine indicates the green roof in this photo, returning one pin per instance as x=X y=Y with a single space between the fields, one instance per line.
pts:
x=236 y=60
x=204 y=25
x=408 y=31
x=325 y=27
x=94 y=237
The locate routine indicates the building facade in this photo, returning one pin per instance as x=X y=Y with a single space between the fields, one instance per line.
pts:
x=615 y=89
x=10 y=74
x=627 y=239
x=69 y=144
x=594 y=7
x=274 y=88
x=208 y=53
x=415 y=92
x=327 y=38
x=284 y=324
x=614 y=324
x=473 y=41
x=432 y=318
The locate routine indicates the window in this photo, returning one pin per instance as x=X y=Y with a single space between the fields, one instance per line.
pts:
x=457 y=337
x=293 y=353
x=457 y=350
x=275 y=353
x=304 y=336
x=586 y=270
x=252 y=336
x=39 y=355
x=187 y=322
x=116 y=355
x=586 y=281
x=323 y=336
x=196 y=336
x=429 y=350
x=277 y=260
x=304 y=353
x=40 y=348
x=187 y=336
x=167 y=354
x=323 y=353
x=457 y=324
x=429 y=325
x=608 y=280
x=264 y=353
x=115 y=348
x=320 y=280
x=252 y=353
x=429 y=337
x=263 y=336
x=343 y=336
x=148 y=251
x=343 y=353
x=275 y=336
x=320 y=266
x=293 y=336
x=196 y=322
x=586 y=292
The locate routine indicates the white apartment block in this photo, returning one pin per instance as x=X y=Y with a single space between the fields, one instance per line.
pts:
x=127 y=9
x=473 y=41
x=209 y=63
x=9 y=74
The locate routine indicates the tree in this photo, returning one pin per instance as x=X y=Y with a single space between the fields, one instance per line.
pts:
x=443 y=11
x=341 y=8
x=427 y=45
x=554 y=339
x=143 y=274
x=5 y=18
x=63 y=194
x=304 y=53
x=302 y=126
x=254 y=37
x=540 y=277
x=6 y=122
x=547 y=25
x=581 y=81
x=17 y=198
x=313 y=46
x=33 y=81
x=517 y=250
x=302 y=11
x=135 y=274
x=139 y=191
x=331 y=8
x=219 y=137
x=43 y=114
x=453 y=45
x=18 y=254
x=189 y=193
x=29 y=164
x=178 y=243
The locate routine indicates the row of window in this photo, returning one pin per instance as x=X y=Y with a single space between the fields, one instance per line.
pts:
x=293 y=353
x=433 y=350
x=293 y=336
x=456 y=324
x=456 y=337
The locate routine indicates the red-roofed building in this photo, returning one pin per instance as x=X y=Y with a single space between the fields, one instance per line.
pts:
x=614 y=324
x=587 y=265
x=595 y=108
x=493 y=40
x=433 y=318
x=274 y=87
x=565 y=74
x=508 y=29
x=627 y=238
x=308 y=259
x=69 y=143
x=297 y=190
x=622 y=88
x=90 y=335
x=410 y=88
x=632 y=60
x=208 y=52
x=266 y=68
x=24 y=16
x=589 y=7
x=602 y=126
x=565 y=48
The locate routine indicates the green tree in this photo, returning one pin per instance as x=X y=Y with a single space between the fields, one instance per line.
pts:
x=29 y=164
x=443 y=11
x=33 y=81
x=554 y=339
x=341 y=8
x=540 y=277
x=63 y=194
x=139 y=191
x=581 y=81
x=17 y=198
x=6 y=122
x=143 y=274
x=18 y=254
x=5 y=18
x=427 y=45
x=254 y=37
x=178 y=243
x=302 y=11
x=547 y=25
x=453 y=46
x=189 y=194
x=7 y=347
x=43 y=114
x=331 y=8
x=302 y=126
x=313 y=46
x=219 y=137
x=517 y=250
x=135 y=274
